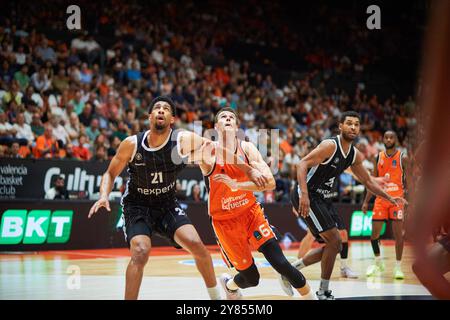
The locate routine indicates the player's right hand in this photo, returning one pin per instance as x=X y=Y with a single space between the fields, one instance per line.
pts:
x=257 y=178
x=304 y=206
x=102 y=202
x=365 y=207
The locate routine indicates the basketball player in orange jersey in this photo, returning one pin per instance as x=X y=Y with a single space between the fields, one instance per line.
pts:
x=390 y=164
x=149 y=203
x=236 y=216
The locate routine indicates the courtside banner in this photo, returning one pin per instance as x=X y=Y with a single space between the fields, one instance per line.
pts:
x=37 y=225
x=30 y=179
x=28 y=225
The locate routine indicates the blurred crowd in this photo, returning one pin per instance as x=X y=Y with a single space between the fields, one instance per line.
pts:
x=78 y=98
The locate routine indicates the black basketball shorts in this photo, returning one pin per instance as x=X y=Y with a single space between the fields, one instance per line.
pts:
x=322 y=214
x=146 y=220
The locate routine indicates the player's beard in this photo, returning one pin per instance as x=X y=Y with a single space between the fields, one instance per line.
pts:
x=347 y=137
x=389 y=147
x=160 y=127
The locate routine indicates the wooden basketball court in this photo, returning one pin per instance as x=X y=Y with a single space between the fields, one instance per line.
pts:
x=171 y=275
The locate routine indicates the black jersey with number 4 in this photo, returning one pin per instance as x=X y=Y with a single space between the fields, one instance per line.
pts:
x=153 y=172
x=322 y=179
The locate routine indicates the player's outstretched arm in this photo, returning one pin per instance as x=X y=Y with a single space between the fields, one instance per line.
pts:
x=380 y=180
x=321 y=153
x=116 y=166
x=200 y=149
x=372 y=186
x=257 y=162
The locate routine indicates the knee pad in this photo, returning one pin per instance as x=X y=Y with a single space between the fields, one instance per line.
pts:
x=272 y=252
x=247 y=278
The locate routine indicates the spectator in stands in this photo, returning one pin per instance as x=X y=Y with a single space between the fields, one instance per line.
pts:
x=80 y=151
x=115 y=142
x=7 y=131
x=36 y=125
x=77 y=103
x=58 y=191
x=87 y=115
x=40 y=80
x=22 y=77
x=73 y=127
x=92 y=131
x=46 y=145
x=60 y=81
x=14 y=151
x=195 y=193
x=59 y=133
x=45 y=53
x=24 y=134
x=13 y=95
x=100 y=154
x=181 y=194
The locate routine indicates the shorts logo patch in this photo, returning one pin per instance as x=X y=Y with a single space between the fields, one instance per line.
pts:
x=257 y=235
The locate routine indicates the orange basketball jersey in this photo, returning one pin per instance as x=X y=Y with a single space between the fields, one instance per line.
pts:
x=392 y=167
x=223 y=203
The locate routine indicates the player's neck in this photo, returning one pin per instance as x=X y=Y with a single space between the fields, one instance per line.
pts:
x=344 y=143
x=228 y=141
x=156 y=138
x=391 y=152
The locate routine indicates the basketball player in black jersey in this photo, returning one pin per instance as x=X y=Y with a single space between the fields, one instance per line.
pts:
x=149 y=203
x=317 y=175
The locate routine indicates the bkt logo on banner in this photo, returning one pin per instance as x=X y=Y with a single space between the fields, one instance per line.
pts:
x=361 y=224
x=35 y=227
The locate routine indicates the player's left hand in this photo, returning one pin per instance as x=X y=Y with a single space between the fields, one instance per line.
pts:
x=399 y=201
x=257 y=178
x=231 y=183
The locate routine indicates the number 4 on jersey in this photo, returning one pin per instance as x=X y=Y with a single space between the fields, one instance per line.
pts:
x=330 y=182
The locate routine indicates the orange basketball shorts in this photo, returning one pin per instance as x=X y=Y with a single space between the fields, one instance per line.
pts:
x=384 y=210
x=238 y=236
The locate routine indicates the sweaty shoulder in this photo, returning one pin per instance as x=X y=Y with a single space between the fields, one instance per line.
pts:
x=248 y=147
x=128 y=147
x=328 y=147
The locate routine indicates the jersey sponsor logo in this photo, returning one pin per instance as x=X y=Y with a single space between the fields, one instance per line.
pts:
x=231 y=203
x=391 y=187
x=394 y=164
x=138 y=156
x=257 y=235
x=336 y=160
x=156 y=191
x=326 y=194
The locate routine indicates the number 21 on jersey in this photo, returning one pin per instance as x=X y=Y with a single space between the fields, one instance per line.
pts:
x=157 y=177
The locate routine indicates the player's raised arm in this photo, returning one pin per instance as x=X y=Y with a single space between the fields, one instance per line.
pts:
x=321 y=153
x=372 y=186
x=116 y=166
x=257 y=162
x=199 y=148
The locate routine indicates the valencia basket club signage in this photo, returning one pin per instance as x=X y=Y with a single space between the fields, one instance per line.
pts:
x=31 y=179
